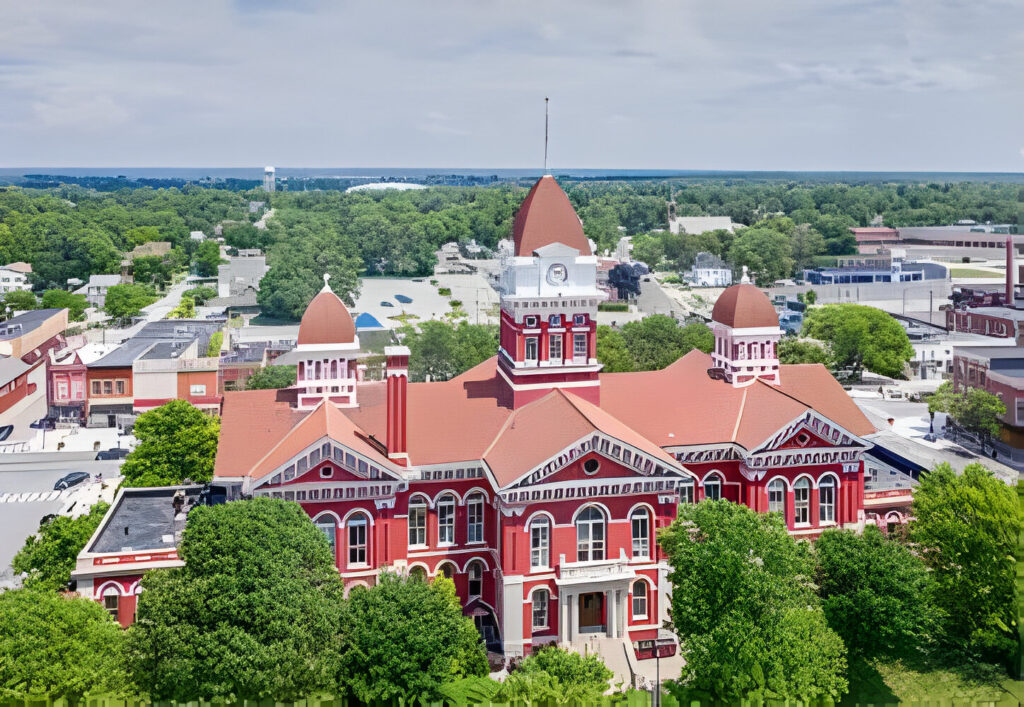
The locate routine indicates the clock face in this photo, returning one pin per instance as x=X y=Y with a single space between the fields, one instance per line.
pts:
x=557 y=274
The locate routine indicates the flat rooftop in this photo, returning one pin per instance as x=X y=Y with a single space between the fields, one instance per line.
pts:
x=142 y=519
x=24 y=323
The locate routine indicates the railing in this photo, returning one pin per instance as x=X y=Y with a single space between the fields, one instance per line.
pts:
x=205 y=363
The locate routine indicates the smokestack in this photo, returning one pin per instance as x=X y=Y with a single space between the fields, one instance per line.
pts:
x=397 y=372
x=1011 y=270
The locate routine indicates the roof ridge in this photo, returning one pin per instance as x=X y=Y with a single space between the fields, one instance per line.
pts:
x=739 y=415
x=289 y=433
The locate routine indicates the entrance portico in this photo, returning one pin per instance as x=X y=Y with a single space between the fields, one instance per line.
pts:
x=592 y=598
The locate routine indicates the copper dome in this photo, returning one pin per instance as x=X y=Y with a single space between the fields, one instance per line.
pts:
x=744 y=307
x=326 y=321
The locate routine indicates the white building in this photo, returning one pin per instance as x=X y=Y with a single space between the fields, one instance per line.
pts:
x=14 y=276
x=269 y=183
x=197 y=236
x=701 y=224
x=95 y=290
x=709 y=271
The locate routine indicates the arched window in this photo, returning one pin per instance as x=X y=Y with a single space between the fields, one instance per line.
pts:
x=640 y=524
x=446 y=521
x=418 y=573
x=475 y=518
x=540 y=542
x=590 y=535
x=640 y=599
x=357 y=533
x=328 y=525
x=802 y=501
x=446 y=569
x=476 y=578
x=541 y=597
x=777 y=496
x=417 y=522
x=713 y=487
x=112 y=601
x=827 y=500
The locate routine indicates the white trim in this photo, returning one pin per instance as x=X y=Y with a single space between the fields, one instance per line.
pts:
x=534 y=370
x=100 y=593
x=465 y=567
x=337 y=520
x=585 y=506
x=344 y=521
x=777 y=477
x=533 y=516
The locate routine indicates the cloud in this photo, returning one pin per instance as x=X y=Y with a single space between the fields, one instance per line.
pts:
x=735 y=84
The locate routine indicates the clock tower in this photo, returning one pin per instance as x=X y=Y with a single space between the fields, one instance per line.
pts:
x=549 y=299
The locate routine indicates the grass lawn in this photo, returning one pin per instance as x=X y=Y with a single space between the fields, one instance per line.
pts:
x=974 y=272
x=892 y=682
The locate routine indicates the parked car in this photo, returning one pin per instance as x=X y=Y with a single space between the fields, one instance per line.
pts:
x=404 y=299
x=69 y=480
x=5 y=432
x=46 y=423
x=115 y=453
x=385 y=303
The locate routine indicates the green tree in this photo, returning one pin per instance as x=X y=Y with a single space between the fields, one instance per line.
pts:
x=441 y=350
x=967 y=527
x=296 y=274
x=18 y=301
x=186 y=309
x=657 y=341
x=569 y=668
x=979 y=411
x=806 y=243
x=271 y=377
x=62 y=299
x=125 y=301
x=612 y=351
x=745 y=610
x=48 y=557
x=861 y=337
x=648 y=249
x=797 y=351
x=54 y=646
x=200 y=295
x=766 y=252
x=405 y=638
x=216 y=342
x=152 y=270
x=207 y=258
x=875 y=593
x=810 y=297
x=254 y=613
x=176 y=442
x=141 y=234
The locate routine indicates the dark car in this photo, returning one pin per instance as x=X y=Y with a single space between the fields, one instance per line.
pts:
x=69 y=480
x=5 y=432
x=404 y=299
x=385 y=303
x=115 y=453
x=46 y=423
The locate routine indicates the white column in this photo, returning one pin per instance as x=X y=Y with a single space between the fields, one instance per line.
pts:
x=563 y=616
x=612 y=628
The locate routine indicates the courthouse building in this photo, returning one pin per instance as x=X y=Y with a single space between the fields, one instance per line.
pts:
x=535 y=481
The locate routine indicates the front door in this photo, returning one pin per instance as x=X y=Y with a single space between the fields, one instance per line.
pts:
x=591 y=612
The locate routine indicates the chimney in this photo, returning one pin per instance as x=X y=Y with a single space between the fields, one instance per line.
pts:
x=397 y=373
x=1011 y=270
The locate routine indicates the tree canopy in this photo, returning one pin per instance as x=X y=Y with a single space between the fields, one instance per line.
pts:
x=745 y=610
x=126 y=301
x=406 y=637
x=271 y=377
x=651 y=343
x=176 y=441
x=875 y=593
x=17 y=301
x=797 y=351
x=56 y=646
x=861 y=337
x=62 y=299
x=442 y=350
x=48 y=557
x=967 y=527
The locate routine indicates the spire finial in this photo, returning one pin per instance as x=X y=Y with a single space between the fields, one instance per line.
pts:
x=545 y=135
x=327 y=288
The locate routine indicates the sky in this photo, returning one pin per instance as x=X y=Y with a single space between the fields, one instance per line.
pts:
x=902 y=85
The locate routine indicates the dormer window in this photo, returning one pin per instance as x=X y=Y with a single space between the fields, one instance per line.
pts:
x=555 y=320
x=530 y=321
x=579 y=319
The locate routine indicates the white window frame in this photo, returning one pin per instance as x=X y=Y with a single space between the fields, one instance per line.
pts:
x=713 y=481
x=639 y=603
x=197 y=389
x=642 y=540
x=541 y=599
x=589 y=547
x=446 y=521
x=417 y=523
x=827 y=507
x=115 y=609
x=579 y=347
x=531 y=342
x=777 y=505
x=328 y=526
x=358 y=523
x=555 y=350
x=802 y=502
x=476 y=575
x=475 y=518
x=540 y=543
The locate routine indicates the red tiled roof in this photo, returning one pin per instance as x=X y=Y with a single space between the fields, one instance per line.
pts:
x=326 y=321
x=547 y=217
x=744 y=306
x=462 y=419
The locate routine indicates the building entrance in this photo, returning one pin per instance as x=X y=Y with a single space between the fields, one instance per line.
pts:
x=592 y=612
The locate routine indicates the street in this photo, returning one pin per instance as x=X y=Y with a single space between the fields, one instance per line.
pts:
x=27 y=496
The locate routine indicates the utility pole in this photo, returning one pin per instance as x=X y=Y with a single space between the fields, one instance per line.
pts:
x=545 y=135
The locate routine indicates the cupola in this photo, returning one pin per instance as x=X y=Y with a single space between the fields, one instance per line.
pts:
x=545 y=217
x=747 y=334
